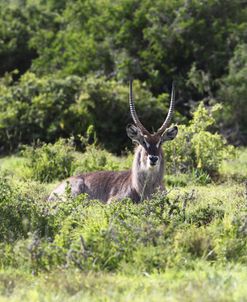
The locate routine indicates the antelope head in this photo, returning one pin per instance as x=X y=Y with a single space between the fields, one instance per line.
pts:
x=151 y=143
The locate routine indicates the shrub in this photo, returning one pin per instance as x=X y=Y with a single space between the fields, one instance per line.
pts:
x=96 y=159
x=19 y=214
x=38 y=108
x=196 y=147
x=148 y=237
x=232 y=94
x=49 y=107
x=50 y=162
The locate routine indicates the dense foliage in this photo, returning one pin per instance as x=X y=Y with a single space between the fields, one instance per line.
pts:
x=71 y=62
x=47 y=108
x=196 y=148
x=174 y=231
x=233 y=92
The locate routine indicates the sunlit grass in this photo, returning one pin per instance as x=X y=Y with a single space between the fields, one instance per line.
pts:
x=15 y=166
x=237 y=167
x=204 y=283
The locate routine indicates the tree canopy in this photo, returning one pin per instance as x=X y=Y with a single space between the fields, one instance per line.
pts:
x=65 y=65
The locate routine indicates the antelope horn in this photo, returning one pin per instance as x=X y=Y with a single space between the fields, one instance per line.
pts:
x=167 y=121
x=133 y=111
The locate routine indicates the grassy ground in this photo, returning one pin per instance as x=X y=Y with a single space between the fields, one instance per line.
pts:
x=198 y=251
x=204 y=283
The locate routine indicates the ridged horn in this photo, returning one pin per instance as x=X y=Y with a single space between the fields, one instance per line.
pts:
x=133 y=111
x=167 y=121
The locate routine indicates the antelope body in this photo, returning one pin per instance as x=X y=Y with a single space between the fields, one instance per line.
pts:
x=142 y=180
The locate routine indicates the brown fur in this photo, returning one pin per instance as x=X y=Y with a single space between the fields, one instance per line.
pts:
x=137 y=183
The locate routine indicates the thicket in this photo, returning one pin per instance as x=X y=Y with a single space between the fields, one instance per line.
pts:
x=71 y=62
x=47 y=108
x=233 y=93
x=158 y=234
x=196 y=148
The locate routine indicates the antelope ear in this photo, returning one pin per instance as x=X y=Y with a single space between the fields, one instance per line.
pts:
x=134 y=133
x=169 y=134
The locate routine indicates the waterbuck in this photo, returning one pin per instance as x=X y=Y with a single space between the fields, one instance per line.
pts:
x=142 y=180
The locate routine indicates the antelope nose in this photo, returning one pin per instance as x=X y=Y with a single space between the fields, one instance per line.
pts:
x=153 y=159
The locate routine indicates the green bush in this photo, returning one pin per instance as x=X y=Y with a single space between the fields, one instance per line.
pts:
x=232 y=94
x=71 y=63
x=46 y=108
x=96 y=159
x=38 y=109
x=50 y=162
x=196 y=147
x=157 y=234
x=19 y=214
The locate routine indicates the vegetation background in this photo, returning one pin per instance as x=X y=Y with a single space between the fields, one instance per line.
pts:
x=64 y=73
